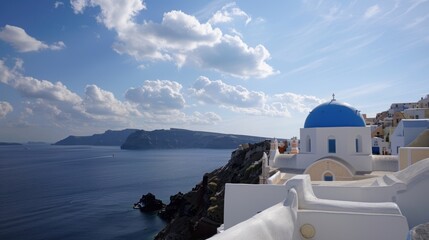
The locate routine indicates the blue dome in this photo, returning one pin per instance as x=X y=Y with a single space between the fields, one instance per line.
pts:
x=334 y=114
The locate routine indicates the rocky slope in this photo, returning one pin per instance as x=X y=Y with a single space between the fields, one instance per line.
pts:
x=108 y=138
x=181 y=138
x=198 y=213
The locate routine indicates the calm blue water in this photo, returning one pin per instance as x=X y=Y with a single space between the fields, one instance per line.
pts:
x=81 y=192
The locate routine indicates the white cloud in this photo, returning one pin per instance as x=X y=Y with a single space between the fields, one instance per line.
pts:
x=228 y=13
x=372 y=11
x=23 y=42
x=58 y=102
x=5 y=108
x=234 y=57
x=300 y=103
x=57 y=4
x=177 y=35
x=117 y=14
x=180 y=38
x=218 y=92
x=157 y=96
x=34 y=88
x=241 y=100
x=78 y=5
x=100 y=102
x=156 y=103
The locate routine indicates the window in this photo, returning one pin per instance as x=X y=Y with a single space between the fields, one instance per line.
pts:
x=331 y=146
x=358 y=144
x=308 y=144
x=328 y=177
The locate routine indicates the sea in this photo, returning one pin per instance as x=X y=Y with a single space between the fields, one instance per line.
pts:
x=87 y=192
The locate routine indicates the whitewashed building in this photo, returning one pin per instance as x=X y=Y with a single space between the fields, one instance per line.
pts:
x=335 y=144
x=406 y=132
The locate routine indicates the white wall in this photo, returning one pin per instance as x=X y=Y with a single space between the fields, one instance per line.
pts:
x=242 y=201
x=360 y=194
x=414 y=201
x=354 y=226
x=345 y=146
x=277 y=222
x=406 y=131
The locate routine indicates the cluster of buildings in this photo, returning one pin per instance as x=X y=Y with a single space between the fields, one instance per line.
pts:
x=345 y=175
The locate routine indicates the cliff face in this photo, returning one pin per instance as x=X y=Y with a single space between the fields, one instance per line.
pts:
x=180 y=138
x=108 y=138
x=198 y=213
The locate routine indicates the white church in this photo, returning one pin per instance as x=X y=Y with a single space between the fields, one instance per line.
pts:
x=335 y=145
x=333 y=189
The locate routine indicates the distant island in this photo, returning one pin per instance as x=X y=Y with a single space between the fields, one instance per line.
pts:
x=181 y=138
x=108 y=138
x=8 y=144
x=134 y=139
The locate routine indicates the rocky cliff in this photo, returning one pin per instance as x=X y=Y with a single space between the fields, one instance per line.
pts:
x=108 y=138
x=181 y=138
x=198 y=213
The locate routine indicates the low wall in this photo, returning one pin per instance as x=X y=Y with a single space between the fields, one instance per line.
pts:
x=411 y=155
x=243 y=201
x=354 y=226
x=275 y=178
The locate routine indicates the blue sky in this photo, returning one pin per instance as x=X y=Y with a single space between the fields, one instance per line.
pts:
x=247 y=67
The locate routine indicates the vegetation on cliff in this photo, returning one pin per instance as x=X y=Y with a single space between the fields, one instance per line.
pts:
x=198 y=213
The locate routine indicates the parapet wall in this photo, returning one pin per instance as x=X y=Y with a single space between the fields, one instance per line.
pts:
x=411 y=155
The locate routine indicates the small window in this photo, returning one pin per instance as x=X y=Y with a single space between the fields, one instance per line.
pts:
x=328 y=177
x=308 y=144
x=358 y=144
x=331 y=146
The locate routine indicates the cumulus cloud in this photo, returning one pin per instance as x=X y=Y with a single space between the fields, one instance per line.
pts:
x=371 y=11
x=101 y=102
x=172 y=39
x=228 y=13
x=116 y=14
x=34 y=88
x=23 y=42
x=157 y=95
x=235 y=57
x=236 y=98
x=157 y=102
x=241 y=100
x=300 y=103
x=218 y=92
x=5 y=108
x=180 y=38
x=55 y=100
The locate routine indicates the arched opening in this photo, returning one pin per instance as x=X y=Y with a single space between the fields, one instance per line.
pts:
x=328 y=176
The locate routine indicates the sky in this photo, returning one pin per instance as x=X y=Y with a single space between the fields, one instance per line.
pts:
x=248 y=67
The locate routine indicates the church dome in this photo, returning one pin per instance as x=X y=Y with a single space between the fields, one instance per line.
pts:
x=334 y=114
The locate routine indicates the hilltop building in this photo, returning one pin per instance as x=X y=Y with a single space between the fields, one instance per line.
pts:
x=408 y=131
x=304 y=194
x=335 y=145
